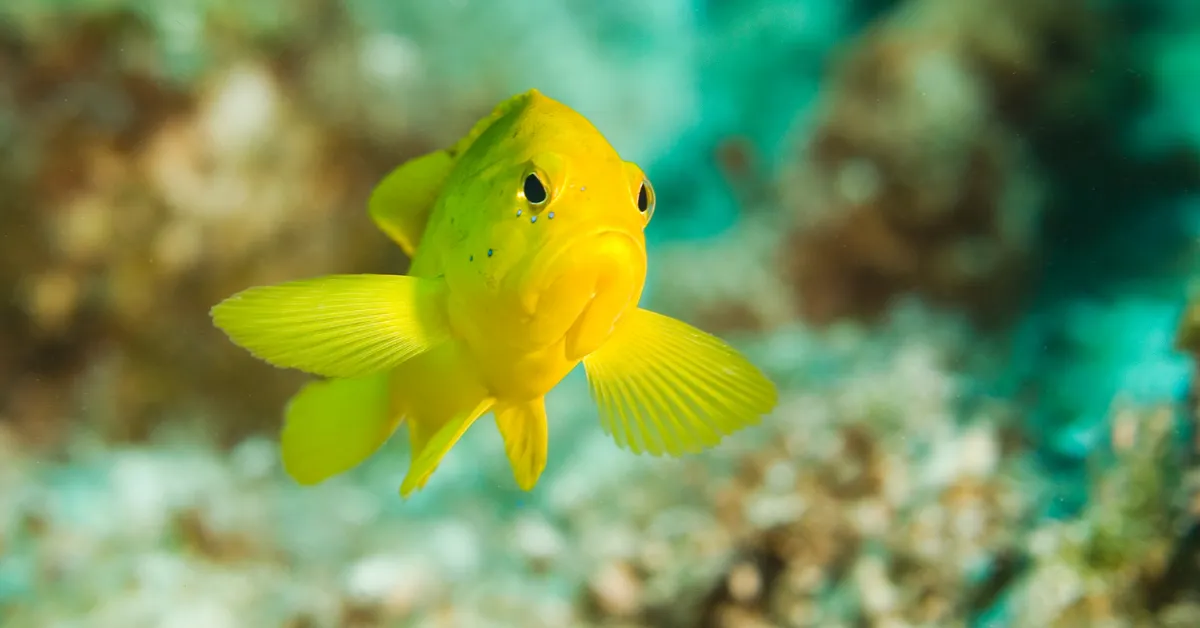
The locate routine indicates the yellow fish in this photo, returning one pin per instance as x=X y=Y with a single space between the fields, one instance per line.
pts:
x=528 y=257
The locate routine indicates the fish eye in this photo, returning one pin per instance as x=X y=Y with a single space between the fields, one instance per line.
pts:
x=534 y=190
x=645 y=199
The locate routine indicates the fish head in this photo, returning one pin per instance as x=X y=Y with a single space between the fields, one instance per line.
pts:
x=552 y=246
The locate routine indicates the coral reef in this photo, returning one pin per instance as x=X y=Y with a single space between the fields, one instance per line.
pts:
x=1119 y=562
x=135 y=206
x=1000 y=158
x=1024 y=165
x=864 y=486
x=918 y=177
x=869 y=499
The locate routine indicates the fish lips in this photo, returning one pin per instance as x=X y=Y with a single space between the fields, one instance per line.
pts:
x=578 y=290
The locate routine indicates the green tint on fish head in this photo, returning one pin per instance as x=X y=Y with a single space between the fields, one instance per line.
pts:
x=552 y=247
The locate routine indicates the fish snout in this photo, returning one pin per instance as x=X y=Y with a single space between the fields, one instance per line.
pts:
x=578 y=292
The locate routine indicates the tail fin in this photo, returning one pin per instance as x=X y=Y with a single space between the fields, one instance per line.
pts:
x=334 y=425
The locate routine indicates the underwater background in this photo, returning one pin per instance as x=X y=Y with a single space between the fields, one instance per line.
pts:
x=961 y=236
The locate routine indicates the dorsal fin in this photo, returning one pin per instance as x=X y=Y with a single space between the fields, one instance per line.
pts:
x=400 y=205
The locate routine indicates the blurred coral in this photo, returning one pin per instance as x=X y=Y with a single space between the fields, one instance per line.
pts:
x=135 y=206
x=865 y=500
x=918 y=176
x=1111 y=566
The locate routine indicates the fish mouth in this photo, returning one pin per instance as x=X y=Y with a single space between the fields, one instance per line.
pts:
x=576 y=292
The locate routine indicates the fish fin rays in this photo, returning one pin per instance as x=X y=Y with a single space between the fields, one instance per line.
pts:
x=663 y=386
x=340 y=326
x=331 y=426
x=401 y=204
x=525 y=431
x=435 y=441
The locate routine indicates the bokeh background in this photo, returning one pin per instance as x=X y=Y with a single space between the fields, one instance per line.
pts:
x=960 y=234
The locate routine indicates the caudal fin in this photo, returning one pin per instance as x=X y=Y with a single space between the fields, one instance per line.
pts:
x=334 y=425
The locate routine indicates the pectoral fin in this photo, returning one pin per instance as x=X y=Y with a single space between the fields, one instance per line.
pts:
x=525 y=432
x=334 y=425
x=338 y=325
x=663 y=386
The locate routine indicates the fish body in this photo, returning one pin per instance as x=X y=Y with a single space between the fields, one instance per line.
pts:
x=550 y=279
x=528 y=258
